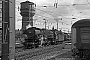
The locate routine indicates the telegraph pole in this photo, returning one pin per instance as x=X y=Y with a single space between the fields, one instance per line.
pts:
x=45 y=23
x=57 y=25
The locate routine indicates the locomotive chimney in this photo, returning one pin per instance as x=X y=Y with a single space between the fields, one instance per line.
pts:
x=27 y=12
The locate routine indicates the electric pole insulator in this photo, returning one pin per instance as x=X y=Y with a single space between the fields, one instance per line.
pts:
x=55 y=5
x=18 y=8
x=35 y=5
x=61 y=18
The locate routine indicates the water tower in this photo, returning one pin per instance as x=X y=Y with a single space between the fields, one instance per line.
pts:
x=27 y=12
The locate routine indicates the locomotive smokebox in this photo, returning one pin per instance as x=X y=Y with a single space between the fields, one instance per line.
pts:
x=27 y=12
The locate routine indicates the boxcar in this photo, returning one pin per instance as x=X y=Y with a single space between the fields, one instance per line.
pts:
x=59 y=37
x=81 y=38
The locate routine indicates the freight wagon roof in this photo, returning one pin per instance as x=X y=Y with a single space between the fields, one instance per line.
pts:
x=83 y=22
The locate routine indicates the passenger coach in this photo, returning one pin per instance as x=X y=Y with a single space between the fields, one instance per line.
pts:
x=81 y=38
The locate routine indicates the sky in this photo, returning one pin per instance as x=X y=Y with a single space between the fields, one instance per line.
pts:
x=66 y=9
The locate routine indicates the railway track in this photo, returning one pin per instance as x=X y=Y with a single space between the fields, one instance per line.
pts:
x=21 y=49
x=30 y=53
x=64 y=56
x=49 y=55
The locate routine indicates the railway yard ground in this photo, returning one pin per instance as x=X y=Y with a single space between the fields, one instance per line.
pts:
x=64 y=56
x=53 y=52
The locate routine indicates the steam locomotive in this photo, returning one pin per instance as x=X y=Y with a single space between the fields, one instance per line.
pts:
x=81 y=39
x=36 y=37
x=32 y=37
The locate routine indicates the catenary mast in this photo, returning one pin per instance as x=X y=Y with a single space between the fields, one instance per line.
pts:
x=8 y=30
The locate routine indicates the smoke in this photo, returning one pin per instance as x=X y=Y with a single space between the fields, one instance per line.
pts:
x=28 y=26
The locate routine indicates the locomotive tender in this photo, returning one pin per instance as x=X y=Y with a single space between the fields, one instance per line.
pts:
x=81 y=39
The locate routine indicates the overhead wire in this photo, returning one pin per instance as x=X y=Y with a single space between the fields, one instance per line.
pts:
x=49 y=18
x=52 y=19
x=50 y=11
x=46 y=12
x=49 y=6
x=43 y=10
x=49 y=14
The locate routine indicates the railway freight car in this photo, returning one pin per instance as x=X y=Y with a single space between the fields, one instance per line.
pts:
x=53 y=37
x=67 y=36
x=81 y=39
x=59 y=37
